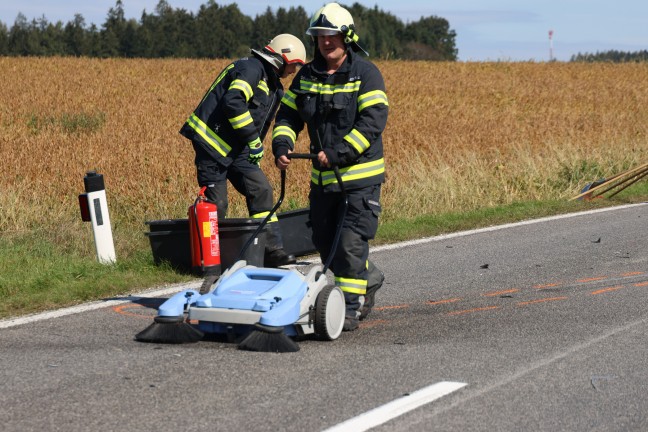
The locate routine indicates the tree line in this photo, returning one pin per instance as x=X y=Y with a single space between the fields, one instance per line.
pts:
x=217 y=31
x=612 y=56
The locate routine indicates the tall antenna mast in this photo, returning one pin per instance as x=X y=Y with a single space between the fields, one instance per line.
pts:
x=551 y=45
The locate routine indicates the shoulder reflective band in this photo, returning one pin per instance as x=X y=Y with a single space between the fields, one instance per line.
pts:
x=217 y=80
x=239 y=84
x=372 y=98
x=264 y=87
x=208 y=135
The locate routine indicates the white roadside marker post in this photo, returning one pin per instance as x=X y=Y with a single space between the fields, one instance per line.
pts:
x=94 y=208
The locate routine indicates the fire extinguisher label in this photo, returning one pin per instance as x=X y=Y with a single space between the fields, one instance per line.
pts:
x=206 y=229
x=214 y=243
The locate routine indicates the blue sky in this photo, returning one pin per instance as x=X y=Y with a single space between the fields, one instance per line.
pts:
x=487 y=30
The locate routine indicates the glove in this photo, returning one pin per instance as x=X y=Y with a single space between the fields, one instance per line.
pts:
x=256 y=151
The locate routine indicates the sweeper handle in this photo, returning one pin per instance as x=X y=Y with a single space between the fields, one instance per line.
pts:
x=301 y=156
x=276 y=206
x=265 y=219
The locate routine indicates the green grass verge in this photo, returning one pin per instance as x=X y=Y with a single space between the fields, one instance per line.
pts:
x=36 y=276
x=432 y=225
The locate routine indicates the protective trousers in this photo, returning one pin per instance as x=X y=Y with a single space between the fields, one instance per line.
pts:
x=249 y=180
x=354 y=273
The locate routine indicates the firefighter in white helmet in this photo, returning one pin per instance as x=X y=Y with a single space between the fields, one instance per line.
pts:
x=227 y=130
x=341 y=98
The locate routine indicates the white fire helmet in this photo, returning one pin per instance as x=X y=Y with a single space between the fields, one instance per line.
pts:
x=289 y=47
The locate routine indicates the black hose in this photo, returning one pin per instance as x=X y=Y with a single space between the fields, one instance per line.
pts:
x=338 y=230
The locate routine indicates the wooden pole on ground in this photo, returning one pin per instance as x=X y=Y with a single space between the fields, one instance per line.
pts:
x=623 y=177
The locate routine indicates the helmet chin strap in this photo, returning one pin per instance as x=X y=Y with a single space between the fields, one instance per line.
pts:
x=351 y=39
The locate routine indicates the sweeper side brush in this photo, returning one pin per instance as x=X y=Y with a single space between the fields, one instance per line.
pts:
x=264 y=308
x=170 y=325
x=172 y=330
x=268 y=339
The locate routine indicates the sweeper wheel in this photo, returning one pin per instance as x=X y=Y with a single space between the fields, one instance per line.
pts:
x=207 y=283
x=329 y=312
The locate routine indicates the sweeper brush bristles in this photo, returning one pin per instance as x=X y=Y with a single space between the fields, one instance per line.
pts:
x=171 y=330
x=268 y=339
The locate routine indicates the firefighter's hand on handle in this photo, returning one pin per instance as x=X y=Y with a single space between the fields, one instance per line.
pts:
x=283 y=161
x=256 y=151
x=323 y=160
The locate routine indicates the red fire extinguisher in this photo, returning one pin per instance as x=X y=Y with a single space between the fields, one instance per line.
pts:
x=203 y=226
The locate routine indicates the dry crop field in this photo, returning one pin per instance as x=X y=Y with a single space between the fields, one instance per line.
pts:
x=460 y=136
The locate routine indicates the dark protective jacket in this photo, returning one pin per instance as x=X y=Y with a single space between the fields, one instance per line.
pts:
x=345 y=113
x=236 y=110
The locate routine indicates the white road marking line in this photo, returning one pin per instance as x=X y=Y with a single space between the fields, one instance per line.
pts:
x=497 y=227
x=398 y=407
x=404 y=244
x=12 y=322
x=408 y=243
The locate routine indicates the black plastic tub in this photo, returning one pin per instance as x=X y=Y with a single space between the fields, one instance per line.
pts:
x=170 y=242
x=233 y=234
x=297 y=232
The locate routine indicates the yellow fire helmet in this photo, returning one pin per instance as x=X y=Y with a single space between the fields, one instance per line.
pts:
x=333 y=19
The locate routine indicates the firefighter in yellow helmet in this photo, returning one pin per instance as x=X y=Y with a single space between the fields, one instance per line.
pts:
x=340 y=97
x=228 y=126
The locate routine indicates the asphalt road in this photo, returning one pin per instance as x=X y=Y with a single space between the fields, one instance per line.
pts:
x=546 y=324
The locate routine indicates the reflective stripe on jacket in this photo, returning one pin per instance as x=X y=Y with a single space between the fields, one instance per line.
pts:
x=345 y=111
x=236 y=110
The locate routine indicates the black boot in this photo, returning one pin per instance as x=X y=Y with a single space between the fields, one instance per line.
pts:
x=352 y=315
x=375 y=281
x=350 y=323
x=278 y=257
x=275 y=255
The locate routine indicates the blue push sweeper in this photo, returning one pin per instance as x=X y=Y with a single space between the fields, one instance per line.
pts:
x=263 y=308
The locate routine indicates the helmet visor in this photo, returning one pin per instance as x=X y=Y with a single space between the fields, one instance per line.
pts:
x=318 y=31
